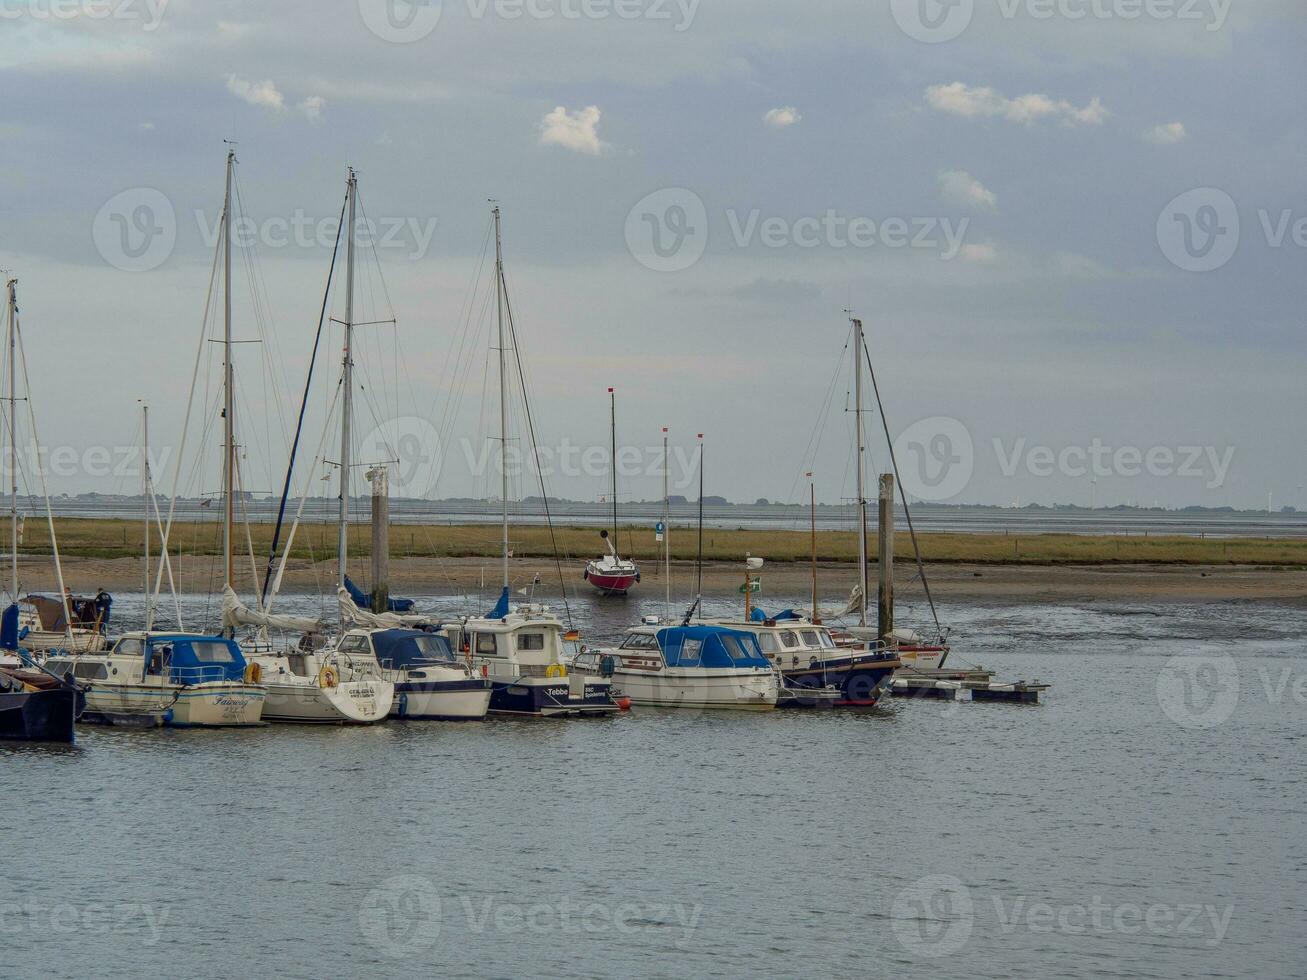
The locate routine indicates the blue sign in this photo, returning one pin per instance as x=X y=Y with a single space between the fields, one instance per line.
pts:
x=659 y=528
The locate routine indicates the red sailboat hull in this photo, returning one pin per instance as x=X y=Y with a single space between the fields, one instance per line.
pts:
x=611 y=584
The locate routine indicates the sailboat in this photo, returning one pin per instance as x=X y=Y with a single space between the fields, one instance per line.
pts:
x=520 y=649
x=316 y=682
x=612 y=574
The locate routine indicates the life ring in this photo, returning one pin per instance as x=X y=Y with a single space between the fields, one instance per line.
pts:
x=328 y=676
x=555 y=670
x=253 y=673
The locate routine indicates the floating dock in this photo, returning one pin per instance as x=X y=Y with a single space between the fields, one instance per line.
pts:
x=960 y=685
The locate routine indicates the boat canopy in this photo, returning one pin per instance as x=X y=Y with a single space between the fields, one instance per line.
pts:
x=364 y=601
x=192 y=659
x=406 y=649
x=710 y=646
x=88 y=613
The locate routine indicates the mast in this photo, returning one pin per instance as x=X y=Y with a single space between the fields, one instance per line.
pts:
x=862 y=496
x=812 y=510
x=228 y=449
x=667 y=528
x=145 y=493
x=612 y=414
x=347 y=386
x=503 y=390
x=698 y=588
x=13 y=443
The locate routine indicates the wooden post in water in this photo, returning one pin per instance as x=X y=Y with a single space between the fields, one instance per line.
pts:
x=380 y=538
x=885 y=538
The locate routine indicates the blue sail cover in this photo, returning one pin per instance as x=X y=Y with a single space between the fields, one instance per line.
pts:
x=192 y=659
x=9 y=628
x=710 y=646
x=364 y=601
x=758 y=616
x=501 y=607
x=406 y=649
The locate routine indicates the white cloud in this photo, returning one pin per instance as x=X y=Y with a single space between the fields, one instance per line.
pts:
x=145 y=127
x=263 y=94
x=1167 y=135
x=960 y=188
x=576 y=131
x=960 y=99
x=311 y=107
x=782 y=117
x=983 y=252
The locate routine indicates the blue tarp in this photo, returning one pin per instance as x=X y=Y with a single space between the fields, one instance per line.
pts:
x=406 y=649
x=364 y=601
x=758 y=616
x=192 y=659
x=9 y=628
x=710 y=646
x=501 y=607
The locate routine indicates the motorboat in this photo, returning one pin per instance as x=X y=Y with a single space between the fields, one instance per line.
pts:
x=429 y=683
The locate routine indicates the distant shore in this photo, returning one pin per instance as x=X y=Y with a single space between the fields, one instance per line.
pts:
x=1009 y=583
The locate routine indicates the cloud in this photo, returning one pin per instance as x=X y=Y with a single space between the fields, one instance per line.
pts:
x=575 y=131
x=311 y=107
x=960 y=188
x=960 y=99
x=1167 y=135
x=263 y=94
x=782 y=117
x=982 y=252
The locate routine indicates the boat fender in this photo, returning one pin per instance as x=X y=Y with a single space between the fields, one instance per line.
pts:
x=328 y=677
x=607 y=665
x=555 y=670
x=485 y=670
x=253 y=673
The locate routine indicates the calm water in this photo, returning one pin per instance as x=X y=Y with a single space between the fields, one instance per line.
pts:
x=1146 y=821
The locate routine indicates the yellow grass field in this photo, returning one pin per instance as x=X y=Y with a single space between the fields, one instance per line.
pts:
x=91 y=538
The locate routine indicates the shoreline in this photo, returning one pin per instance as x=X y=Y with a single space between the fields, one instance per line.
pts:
x=1003 y=583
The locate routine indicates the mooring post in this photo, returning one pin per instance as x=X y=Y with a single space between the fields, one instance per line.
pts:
x=885 y=539
x=380 y=538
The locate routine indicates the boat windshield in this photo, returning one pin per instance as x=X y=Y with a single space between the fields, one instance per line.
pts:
x=810 y=638
x=212 y=652
x=640 y=641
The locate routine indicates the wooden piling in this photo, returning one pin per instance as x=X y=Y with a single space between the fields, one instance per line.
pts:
x=885 y=558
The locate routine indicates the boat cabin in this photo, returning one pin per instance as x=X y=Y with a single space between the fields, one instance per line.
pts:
x=527 y=639
x=789 y=643
x=174 y=658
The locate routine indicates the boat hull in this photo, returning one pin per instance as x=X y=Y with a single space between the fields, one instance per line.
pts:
x=221 y=704
x=39 y=716
x=302 y=701
x=552 y=697
x=609 y=583
x=861 y=677
x=459 y=700
x=701 y=689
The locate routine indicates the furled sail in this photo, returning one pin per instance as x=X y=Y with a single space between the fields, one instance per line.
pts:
x=351 y=613
x=235 y=613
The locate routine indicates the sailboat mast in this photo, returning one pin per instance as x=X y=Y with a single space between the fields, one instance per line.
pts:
x=861 y=467
x=698 y=588
x=13 y=442
x=667 y=528
x=612 y=416
x=145 y=493
x=812 y=510
x=503 y=391
x=347 y=386
x=228 y=432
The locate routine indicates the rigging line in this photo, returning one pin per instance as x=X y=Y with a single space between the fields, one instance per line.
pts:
x=907 y=511
x=190 y=401
x=809 y=462
x=304 y=404
x=535 y=451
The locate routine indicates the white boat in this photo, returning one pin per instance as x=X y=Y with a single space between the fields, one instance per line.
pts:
x=520 y=650
x=185 y=680
x=429 y=684
x=687 y=667
x=43 y=627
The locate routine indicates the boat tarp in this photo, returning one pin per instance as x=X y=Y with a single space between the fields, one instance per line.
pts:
x=710 y=646
x=192 y=659
x=759 y=616
x=88 y=613
x=406 y=649
x=351 y=613
x=9 y=628
x=235 y=613
x=363 y=600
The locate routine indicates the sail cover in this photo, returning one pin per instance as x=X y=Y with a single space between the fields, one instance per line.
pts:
x=351 y=613
x=235 y=613
x=362 y=600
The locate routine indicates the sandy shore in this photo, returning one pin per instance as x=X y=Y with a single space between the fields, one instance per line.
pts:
x=997 y=583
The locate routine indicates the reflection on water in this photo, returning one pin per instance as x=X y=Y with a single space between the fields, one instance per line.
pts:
x=1130 y=826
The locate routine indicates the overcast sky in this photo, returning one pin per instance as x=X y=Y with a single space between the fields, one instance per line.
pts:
x=1075 y=231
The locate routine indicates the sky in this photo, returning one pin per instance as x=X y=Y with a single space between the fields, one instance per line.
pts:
x=1075 y=232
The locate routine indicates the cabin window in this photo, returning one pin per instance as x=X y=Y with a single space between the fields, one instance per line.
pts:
x=738 y=649
x=810 y=638
x=486 y=644
x=353 y=644
x=789 y=639
x=530 y=641
x=640 y=641
x=90 y=671
x=209 y=652
x=826 y=641
x=769 y=643
x=128 y=647
x=59 y=667
x=690 y=653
